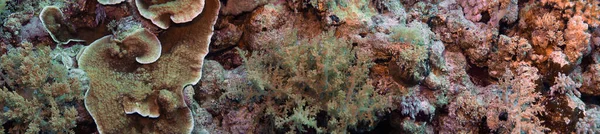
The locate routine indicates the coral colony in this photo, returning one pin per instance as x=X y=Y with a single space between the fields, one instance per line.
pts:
x=299 y=66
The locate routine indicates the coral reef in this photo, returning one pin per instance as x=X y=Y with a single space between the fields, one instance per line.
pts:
x=299 y=66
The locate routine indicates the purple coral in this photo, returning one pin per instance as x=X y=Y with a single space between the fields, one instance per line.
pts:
x=32 y=30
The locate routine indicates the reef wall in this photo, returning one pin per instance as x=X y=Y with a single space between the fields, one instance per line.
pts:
x=299 y=66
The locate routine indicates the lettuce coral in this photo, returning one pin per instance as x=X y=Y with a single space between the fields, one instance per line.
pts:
x=144 y=42
x=110 y=2
x=119 y=84
x=179 y=11
x=60 y=30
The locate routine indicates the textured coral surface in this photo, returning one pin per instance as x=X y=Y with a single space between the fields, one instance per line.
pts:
x=300 y=66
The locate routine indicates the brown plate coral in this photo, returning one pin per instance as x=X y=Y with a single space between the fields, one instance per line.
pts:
x=132 y=76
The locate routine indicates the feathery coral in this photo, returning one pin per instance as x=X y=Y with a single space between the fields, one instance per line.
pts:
x=565 y=85
x=519 y=101
x=308 y=77
x=40 y=94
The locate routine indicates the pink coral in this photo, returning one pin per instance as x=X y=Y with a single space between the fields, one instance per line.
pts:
x=519 y=101
x=239 y=121
x=577 y=39
x=591 y=84
x=565 y=85
x=495 y=10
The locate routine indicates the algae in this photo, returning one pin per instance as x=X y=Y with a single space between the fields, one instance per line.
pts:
x=2 y=5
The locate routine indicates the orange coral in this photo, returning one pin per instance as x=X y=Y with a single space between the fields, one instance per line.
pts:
x=577 y=39
x=560 y=4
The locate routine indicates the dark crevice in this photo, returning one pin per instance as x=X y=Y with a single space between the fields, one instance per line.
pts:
x=562 y=47
x=434 y=22
x=220 y=52
x=503 y=116
x=479 y=75
x=483 y=127
x=383 y=127
x=322 y=119
x=362 y=35
x=589 y=99
x=9 y=124
x=224 y=2
x=228 y=57
x=485 y=17
x=557 y=106
x=546 y=84
x=382 y=61
x=268 y=125
x=504 y=26
x=586 y=62
x=522 y=2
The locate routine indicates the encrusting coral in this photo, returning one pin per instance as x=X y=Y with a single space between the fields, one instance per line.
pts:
x=119 y=84
x=235 y=7
x=592 y=82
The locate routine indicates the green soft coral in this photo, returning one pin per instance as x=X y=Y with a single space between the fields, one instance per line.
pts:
x=38 y=94
x=322 y=75
x=2 y=5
